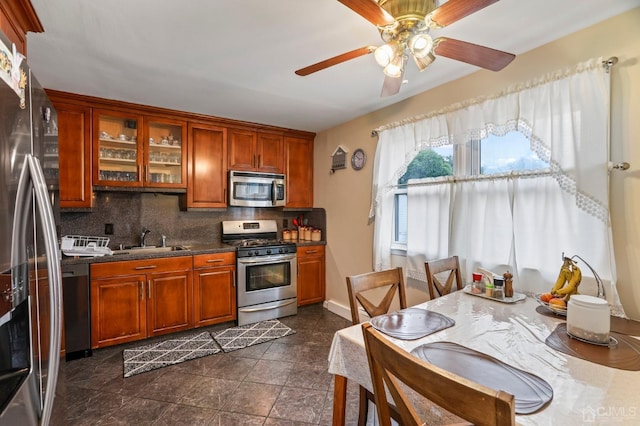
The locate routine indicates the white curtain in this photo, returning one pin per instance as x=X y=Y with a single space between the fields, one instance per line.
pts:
x=520 y=224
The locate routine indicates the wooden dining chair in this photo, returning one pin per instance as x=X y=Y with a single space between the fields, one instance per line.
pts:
x=356 y=286
x=433 y=268
x=391 y=365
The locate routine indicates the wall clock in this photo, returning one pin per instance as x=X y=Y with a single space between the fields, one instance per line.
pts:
x=358 y=158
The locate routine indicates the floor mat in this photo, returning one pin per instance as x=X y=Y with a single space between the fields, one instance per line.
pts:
x=168 y=352
x=243 y=336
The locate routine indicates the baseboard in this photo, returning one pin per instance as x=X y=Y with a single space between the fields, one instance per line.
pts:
x=338 y=309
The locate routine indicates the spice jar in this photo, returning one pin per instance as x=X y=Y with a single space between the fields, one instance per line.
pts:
x=307 y=233
x=498 y=288
x=477 y=286
x=286 y=235
x=488 y=290
x=294 y=234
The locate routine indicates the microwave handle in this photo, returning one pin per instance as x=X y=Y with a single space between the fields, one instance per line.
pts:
x=274 y=192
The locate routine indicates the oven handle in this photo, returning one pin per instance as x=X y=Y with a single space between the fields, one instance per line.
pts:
x=267 y=259
x=269 y=307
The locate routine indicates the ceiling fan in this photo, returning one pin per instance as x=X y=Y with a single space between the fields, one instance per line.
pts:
x=404 y=26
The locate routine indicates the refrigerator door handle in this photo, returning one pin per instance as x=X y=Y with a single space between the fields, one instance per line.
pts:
x=32 y=177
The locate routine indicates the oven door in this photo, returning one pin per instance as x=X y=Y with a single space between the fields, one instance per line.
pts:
x=266 y=279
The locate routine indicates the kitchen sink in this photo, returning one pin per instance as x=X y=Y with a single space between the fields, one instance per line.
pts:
x=148 y=250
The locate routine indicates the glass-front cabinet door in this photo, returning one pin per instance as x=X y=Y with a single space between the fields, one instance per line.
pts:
x=117 y=153
x=165 y=148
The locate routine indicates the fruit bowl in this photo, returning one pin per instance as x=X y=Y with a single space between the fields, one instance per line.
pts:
x=562 y=311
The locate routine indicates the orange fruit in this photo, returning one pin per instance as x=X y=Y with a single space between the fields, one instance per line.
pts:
x=545 y=297
x=558 y=303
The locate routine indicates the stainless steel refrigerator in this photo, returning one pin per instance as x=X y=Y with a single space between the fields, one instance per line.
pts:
x=30 y=279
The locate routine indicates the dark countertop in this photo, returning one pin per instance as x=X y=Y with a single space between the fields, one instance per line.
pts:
x=193 y=249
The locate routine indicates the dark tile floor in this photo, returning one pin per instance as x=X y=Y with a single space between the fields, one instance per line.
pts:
x=282 y=382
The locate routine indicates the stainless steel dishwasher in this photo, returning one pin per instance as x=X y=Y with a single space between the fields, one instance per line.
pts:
x=77 y=313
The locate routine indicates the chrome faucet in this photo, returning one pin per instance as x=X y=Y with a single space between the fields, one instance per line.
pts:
x=143 y=237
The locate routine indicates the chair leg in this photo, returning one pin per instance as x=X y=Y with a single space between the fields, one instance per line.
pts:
x=363 y=406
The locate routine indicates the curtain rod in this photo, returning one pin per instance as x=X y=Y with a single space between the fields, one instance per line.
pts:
x=607 y=64
x=456 y=179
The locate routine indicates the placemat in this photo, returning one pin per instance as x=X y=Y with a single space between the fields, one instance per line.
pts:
x=625 y=355
x=411 y=323
x=618 y=325
x=530 y=391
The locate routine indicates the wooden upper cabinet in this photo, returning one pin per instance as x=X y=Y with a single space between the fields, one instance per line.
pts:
x=255 y=151
x=17 y=18
x=74 y=146
x=242 y=149
x=270 y=151
x=207 y=168
x=165 y=150
x=298 y=157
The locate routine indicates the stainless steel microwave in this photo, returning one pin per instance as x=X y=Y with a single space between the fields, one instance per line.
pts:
x=253 y=189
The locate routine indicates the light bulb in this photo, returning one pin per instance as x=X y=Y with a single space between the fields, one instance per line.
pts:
x=420 y=45
x=396 y=67
x=385 y=54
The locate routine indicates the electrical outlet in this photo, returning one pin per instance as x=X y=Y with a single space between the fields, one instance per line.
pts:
x=108 y=229
x=285 y=223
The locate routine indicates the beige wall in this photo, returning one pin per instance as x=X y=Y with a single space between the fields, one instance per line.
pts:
x=346 y=195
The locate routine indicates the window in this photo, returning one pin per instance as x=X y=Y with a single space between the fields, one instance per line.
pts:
x=492 y=155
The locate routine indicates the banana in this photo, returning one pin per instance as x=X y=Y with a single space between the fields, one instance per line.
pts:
x=572 y=286
x=563 y=277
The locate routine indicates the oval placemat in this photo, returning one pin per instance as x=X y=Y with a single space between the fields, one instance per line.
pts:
x=624 y=356
x=530 y=391
x=411 y=323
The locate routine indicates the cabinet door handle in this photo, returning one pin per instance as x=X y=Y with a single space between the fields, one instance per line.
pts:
x=254 y=160
x=149 y=289
x=311 y=251
x=258 y=165
x=233 y=278
x=138 y=268
x=141 y=289
x=139 y=172
x=146 y=173
x=215 y=260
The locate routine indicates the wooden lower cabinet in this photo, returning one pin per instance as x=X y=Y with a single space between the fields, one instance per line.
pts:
x=311 y=274
x=214 y=283
x=135 y=299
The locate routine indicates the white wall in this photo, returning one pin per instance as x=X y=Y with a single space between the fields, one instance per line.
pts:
x=346 y=195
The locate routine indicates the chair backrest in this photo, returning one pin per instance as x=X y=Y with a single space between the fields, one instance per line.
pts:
x=471 y=401
x=357 y=284
x=437 y=287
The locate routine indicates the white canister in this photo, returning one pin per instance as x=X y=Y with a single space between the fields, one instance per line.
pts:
x=316 y=235
x=588 y=318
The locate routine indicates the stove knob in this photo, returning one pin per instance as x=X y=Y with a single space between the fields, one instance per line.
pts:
x=268 y=251
x=256 y=252
x=281 y=250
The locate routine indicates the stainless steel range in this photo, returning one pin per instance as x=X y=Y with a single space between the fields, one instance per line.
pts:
x=267 y=270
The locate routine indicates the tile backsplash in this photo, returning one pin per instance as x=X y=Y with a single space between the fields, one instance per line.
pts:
x=130 y=212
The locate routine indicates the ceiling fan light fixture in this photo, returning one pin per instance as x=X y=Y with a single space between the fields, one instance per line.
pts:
x=384 y=54
x=424 y=62
x=395 y=68
x=420 y=45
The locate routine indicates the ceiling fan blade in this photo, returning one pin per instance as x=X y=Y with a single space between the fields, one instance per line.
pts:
x=370 y=11
x=481 y=56
x=454 y=10
x=335 y=60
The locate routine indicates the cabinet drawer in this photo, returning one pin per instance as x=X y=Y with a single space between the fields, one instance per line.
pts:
x=309 y=251
x=214 y=259
x=128 y=267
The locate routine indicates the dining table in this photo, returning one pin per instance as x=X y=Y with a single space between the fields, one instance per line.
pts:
x=584 y=392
